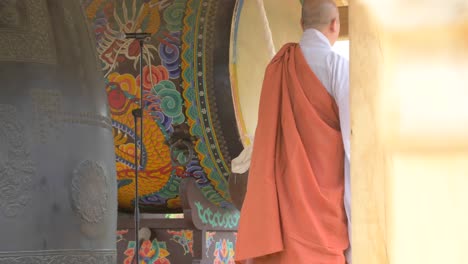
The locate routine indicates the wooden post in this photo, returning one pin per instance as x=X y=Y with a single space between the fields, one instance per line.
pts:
x=409 y=75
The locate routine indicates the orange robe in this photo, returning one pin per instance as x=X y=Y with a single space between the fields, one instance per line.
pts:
x=293 y=211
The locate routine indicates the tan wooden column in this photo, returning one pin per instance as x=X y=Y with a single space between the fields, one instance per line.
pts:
x=409 y=101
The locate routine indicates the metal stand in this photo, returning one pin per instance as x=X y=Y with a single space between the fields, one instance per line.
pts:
x=138 y=114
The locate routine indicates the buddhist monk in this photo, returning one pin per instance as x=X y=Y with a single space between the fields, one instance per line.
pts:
x=296 y=210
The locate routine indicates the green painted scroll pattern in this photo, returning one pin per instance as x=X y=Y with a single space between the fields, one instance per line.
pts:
x=229 y=219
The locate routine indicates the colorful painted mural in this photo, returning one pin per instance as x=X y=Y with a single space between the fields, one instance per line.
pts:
x=177 y=80
x=183 y=238
x=121 y=234
x=151 y=252
x=178 y=246
x=209 y=240
x=219 y=247
x=224 y=252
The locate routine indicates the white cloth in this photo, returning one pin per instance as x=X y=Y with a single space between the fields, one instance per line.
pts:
x=241 y=164
x=332 y=70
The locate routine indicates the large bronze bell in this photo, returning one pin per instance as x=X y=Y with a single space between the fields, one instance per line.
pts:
x=58 y=201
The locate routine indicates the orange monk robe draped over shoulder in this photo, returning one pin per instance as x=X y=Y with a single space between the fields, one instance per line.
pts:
x=293 y=212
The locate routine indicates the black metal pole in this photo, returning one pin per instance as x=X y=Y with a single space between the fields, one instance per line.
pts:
x=141 y=100
x=137 y=210
x=138 y=113
x=136 y=256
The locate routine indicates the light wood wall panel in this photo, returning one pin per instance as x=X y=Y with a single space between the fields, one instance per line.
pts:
x=410 y=131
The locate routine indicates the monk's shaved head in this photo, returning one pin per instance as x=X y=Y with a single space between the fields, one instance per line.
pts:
x=322 y=15
x=319 y=13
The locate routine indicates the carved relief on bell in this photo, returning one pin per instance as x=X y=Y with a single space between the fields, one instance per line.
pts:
x=58 y=197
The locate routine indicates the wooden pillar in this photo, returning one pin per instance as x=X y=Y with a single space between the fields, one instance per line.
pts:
x=409 y=101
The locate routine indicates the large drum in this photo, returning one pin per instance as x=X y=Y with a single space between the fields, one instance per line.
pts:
x=57 y=162
x=189 y=119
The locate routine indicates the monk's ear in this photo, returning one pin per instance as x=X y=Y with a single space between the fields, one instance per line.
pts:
x=334 y=25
